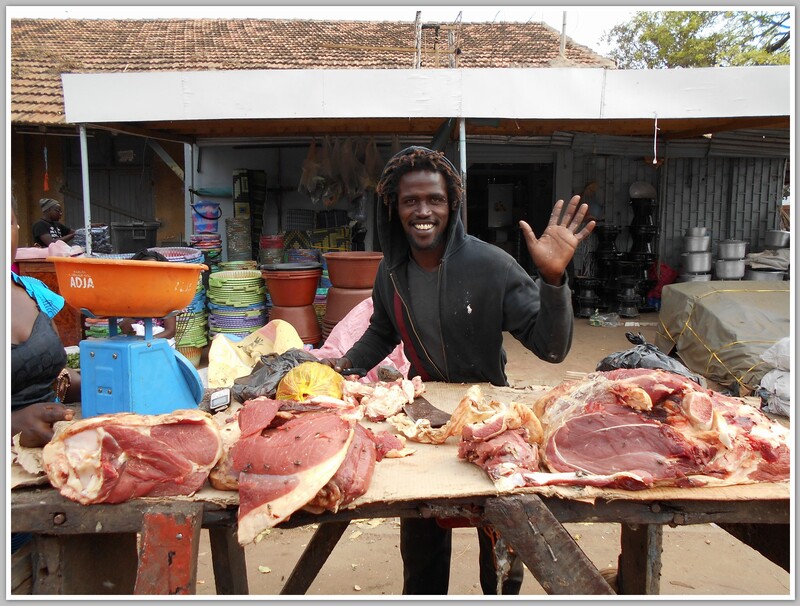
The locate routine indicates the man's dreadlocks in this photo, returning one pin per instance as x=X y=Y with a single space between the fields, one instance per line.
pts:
x=418 y=158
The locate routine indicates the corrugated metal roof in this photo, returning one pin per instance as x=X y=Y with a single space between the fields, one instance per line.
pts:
x=42 y=49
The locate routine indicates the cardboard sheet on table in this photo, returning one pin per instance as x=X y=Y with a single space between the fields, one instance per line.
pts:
x=435 y=472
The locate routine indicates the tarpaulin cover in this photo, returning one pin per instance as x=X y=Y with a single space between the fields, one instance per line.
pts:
x=720 y=329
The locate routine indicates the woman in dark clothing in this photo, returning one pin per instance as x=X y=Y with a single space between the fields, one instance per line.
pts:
x=37 y=357
x=49 y=228
x=449 y=297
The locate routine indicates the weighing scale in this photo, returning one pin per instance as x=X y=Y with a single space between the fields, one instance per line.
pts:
x=123 y=373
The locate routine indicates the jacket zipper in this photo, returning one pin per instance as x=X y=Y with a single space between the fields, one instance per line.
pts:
x=414 y=329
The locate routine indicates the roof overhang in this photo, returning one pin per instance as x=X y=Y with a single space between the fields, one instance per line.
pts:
x=686 y=102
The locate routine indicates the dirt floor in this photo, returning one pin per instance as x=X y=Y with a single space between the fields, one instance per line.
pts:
x=700 y=560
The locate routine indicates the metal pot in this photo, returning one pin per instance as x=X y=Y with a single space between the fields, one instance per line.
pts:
x=731 y=249
x=696 y=262
x=696 y=243
x=694 y=278
x=729 y=269
x=696 y=231
x=763 y=274
x=776 y=238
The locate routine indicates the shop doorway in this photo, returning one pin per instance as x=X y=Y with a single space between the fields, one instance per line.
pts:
x=500 y=195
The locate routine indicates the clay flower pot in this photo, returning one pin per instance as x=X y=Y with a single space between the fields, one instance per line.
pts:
x=289 y=286
x=353 y=269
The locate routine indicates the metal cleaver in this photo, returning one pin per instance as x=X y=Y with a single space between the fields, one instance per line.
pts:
x=420 y=408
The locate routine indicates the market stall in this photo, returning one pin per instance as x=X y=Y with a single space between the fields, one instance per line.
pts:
x=529 y=519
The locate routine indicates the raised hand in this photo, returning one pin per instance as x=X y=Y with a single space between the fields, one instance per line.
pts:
x=552 y=252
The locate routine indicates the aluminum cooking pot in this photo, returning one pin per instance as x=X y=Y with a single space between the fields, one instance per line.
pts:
x=696 y=231
x=696 y=262
x=694 y=278
x=729 y=269
x=763 y=274
x=696 y=243
x=776 y=238
x=731 y=249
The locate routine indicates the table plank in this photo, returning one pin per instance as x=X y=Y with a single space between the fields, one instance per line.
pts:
x=547 y=549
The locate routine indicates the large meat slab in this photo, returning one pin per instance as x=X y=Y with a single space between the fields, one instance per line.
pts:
x=116 y=457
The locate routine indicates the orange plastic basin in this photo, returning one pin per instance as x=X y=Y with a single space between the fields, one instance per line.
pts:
x=353 y=269
x=126 y=289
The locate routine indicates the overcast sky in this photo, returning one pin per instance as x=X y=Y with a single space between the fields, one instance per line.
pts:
x=584 y=24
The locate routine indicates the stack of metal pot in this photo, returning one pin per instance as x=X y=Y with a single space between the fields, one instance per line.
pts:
x=730 y=260
x=696 y=258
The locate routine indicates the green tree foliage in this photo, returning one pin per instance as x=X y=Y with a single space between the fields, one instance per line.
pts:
x=671 y=39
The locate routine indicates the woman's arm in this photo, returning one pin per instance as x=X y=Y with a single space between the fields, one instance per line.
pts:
x=169 y=328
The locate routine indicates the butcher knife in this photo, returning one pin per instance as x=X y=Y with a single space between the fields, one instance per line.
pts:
x=420 y=408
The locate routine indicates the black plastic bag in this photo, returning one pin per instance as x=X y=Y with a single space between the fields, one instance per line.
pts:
x=645 y=355
x=264 y=379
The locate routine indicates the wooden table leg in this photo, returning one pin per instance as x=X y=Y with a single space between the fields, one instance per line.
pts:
x=639 y=564
x=168 y=551
x=93 y=564
x=227 y=557
x=546 y=548
x=314 y=557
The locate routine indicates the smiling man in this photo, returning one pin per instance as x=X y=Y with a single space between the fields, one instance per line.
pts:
x=449 y=297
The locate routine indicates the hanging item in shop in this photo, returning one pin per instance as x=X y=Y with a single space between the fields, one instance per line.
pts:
x=342 y=170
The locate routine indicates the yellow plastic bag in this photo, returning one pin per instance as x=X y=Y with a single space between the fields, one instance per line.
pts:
x=310 y=379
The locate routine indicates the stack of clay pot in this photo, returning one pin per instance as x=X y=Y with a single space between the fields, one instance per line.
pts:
x=696 y=256
x=352 y=275
x=292 y=288
x=730 y=260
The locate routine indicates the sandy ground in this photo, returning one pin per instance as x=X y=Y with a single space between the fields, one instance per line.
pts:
x=700 y=560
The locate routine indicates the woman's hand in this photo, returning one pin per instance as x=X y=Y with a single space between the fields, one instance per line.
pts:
x=338 y=364
x=552 y=252
x=125 y=326
x=35 y=422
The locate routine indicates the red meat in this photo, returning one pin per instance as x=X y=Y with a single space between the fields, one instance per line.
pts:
x=116 y=457
x=660 y=427
x=282 y=469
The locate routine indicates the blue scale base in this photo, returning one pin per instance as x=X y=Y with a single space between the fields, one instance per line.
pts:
x=132 y=374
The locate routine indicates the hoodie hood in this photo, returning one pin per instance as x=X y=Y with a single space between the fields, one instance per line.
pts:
x=393 y=240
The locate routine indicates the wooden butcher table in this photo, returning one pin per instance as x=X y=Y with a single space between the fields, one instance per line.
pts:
x=71 y=539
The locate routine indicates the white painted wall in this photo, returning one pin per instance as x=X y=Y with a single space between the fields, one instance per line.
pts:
x=556 y=93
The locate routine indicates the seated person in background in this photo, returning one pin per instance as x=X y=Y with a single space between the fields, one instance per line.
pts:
x=163 y=328
x=48 y=229
x=38 y=358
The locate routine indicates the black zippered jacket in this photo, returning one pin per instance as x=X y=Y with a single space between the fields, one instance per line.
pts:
x=483 y=292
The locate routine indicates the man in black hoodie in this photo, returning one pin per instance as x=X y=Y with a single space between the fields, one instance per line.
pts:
x=449 y=297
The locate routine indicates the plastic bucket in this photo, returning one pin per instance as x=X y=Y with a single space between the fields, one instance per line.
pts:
x=205 y=217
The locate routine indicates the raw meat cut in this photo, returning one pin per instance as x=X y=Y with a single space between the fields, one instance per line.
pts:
x=282 y=469
x=637 y=428
x=481 y=418
x=383 y=399
x=352 y=478
x=116 y=457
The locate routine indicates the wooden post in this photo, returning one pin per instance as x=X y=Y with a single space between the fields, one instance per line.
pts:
x=227 y=557
x=168 y=551
x=639 y=566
